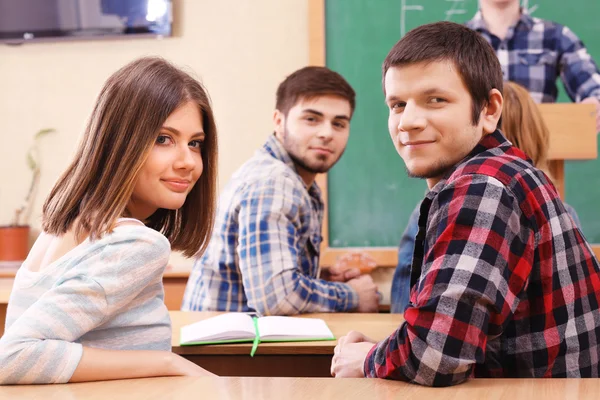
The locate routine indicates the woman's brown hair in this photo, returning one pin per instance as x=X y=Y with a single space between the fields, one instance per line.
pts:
x=95 y=189
x=523 y=125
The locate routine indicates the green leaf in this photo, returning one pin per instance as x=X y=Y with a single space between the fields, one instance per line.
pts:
x=43 y=132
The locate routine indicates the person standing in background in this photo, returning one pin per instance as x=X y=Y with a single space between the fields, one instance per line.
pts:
x=534 y=52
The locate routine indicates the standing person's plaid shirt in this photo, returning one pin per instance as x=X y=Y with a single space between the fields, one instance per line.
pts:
x=505 y=284
x=535 y=52
x=264 y=252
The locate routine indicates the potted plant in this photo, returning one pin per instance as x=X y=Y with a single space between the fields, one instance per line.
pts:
x=14 y=238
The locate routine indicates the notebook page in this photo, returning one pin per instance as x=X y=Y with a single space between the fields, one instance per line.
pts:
x=286 y=328
x=222 y=327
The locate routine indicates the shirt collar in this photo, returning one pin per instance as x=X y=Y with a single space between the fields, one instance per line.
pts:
x=525 y=21
x=275 y=149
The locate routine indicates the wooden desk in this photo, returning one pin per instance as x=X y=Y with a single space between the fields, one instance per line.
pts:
x=306 y=388
x=292 y=359
x=174 y=282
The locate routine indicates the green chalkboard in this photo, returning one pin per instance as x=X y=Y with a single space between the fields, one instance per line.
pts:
x=370 y=195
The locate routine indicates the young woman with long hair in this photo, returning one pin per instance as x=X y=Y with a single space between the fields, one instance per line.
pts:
x=87 y=303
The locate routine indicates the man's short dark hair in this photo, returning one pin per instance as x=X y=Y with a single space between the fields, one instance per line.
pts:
x=311 y=82
x=473 y=57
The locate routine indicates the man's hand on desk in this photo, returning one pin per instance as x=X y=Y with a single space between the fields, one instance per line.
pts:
x=349 y=355
x=368 y=296
x=350 y=266
x=596 y=102
x=340 y=274
x=354 y=269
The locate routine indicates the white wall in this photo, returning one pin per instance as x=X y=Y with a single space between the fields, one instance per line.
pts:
x=241 y=50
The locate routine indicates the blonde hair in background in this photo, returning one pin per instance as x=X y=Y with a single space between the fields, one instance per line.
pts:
x=95 y=189
x=523 y=125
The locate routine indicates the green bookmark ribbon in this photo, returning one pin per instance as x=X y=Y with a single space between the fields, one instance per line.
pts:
x=256 y=337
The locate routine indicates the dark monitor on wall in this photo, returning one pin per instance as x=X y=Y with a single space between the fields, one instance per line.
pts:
x=23 y=21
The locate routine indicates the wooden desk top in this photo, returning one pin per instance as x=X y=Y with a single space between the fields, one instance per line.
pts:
x=7 y=278
x=306 y=388
x=375 y=326
x=5 y=288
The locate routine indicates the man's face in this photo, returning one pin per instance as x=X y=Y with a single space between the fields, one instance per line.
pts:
x=315 y=132
x=430 y=117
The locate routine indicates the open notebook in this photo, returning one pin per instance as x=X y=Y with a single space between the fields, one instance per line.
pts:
x=240 y=327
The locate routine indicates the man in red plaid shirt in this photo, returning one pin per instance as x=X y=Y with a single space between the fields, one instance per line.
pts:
x=503 y=282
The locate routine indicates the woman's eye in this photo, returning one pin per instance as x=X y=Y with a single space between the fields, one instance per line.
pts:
x=162 y=139
x=197 y=144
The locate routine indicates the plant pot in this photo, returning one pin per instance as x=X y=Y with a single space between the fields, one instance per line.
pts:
x=14 y=243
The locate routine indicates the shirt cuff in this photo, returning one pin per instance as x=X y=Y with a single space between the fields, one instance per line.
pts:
x=369 y=365
x=348 y=298
x=73 y=353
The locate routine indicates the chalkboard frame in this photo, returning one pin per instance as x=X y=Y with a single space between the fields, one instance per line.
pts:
x=384 y=256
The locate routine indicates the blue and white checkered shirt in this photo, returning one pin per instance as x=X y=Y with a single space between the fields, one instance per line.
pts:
x=535 y=52
x=264 y=252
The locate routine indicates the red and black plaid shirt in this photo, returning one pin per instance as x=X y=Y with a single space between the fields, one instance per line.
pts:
x=504 y=284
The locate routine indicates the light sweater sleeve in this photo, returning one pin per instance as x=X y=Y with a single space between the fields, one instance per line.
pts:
x=41 y=345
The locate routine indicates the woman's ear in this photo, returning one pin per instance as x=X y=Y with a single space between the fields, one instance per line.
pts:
x=491 y=113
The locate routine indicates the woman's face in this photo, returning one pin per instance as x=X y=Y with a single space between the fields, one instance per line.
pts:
x=173 y=166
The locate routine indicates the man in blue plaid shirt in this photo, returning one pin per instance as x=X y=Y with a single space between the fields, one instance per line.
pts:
x=533 y=52
x=264 y=252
